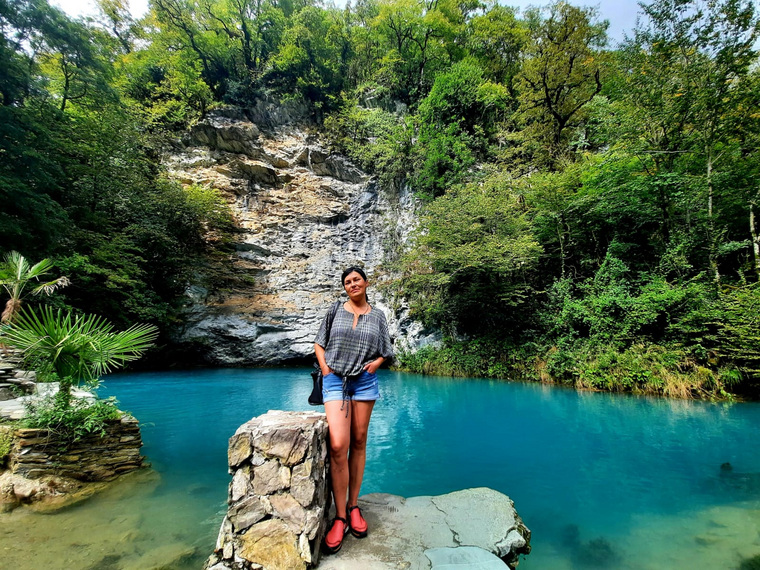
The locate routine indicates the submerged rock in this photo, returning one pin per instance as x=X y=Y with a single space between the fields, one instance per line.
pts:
x=44 y=495
x=413 y=533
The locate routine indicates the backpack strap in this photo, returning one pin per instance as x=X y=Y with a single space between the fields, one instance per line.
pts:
x=331 y=316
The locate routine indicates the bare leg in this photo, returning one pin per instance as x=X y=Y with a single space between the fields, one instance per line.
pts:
x=340 y=438
x=360 y=415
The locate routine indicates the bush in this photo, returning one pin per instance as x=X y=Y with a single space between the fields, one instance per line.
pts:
x=73 y=422
x=378 y=141
x=6 y=443
x=640 y=369
x=483 y=357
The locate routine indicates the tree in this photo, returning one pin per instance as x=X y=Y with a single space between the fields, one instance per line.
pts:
x=473 y=250
x=420 y=38
x=456 y=121
x=496 y=39
x=685 y=74
x=313 y=57
x=16 y=274
x=119 y=21
x=560 y=75
x=77 y=347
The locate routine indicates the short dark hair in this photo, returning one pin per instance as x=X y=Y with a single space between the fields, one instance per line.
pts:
x=350 y=270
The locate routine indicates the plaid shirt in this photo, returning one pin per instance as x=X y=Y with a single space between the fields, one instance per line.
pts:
x=348 y=349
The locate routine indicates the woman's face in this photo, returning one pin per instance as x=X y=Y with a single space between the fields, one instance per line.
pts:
x=355 y=286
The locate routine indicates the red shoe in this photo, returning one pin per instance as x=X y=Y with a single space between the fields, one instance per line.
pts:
x=357 y=524
x=334 y=537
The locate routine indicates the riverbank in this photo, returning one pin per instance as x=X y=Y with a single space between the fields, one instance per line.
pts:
x=639 y=369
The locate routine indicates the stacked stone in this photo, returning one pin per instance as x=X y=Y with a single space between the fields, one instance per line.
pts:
x=278 y=496
x=14 y=381
x=39 y=452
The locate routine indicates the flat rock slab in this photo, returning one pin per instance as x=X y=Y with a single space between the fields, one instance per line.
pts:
x=463 y=557
x=404 y=533
x=15 y=409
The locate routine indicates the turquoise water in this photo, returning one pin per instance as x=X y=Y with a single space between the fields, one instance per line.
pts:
x=603 y=481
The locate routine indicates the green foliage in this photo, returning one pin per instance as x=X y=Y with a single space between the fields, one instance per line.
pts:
x=313 y=57
x=417 y=40
x=456 y=119
x=16 y=274
x=376 y=140
x=487 y=357
x=470 y=257
x=6 y=442
x=82 y=417
x=496 y=39
x=732 y=331
x=644 y=369
x=639 y=369
x=77 y=347
x=610 y=309
x=561 y=73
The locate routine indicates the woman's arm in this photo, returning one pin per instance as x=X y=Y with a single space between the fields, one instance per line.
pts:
x=320 y=352
x=372 y=367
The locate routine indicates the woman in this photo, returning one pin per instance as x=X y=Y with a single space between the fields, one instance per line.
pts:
x=351 y=344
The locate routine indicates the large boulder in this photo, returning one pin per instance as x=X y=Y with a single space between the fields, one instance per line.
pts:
x=421 y=533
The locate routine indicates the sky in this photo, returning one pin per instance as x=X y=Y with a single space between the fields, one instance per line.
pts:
x=620 y=13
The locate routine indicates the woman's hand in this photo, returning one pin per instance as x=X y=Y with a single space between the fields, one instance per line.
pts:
x=372 y=367
x=319 y=351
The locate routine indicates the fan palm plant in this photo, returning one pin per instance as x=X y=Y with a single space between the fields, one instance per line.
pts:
x=16 y=274
x=77 y=347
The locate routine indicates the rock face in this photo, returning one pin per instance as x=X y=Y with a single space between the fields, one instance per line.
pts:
x=462 y=528
x=45 y=495
x=304 y=215
x=14 y=380
x=278 y=496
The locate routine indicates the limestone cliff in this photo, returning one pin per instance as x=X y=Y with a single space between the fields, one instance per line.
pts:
x=304 y=214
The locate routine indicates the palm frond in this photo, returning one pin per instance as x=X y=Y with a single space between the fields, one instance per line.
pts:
x=82 y=347
x=50 y=286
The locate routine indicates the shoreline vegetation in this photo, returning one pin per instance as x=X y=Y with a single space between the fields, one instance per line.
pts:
x=640 y=369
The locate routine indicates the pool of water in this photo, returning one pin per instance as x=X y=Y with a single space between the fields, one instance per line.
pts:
x=603 y=481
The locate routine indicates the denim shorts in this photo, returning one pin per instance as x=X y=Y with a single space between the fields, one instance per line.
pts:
x=361 y=388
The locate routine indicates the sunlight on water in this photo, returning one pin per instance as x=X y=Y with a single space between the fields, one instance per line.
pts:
x=603 y=481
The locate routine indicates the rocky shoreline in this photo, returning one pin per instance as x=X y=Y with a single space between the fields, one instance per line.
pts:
x=44 y=471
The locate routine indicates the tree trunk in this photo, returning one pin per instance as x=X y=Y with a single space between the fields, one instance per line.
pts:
x=755 y=239
x=712 y=241
x=63 y=397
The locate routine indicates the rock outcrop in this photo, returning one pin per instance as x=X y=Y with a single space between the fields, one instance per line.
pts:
x=304 y=215
x=279 y=499
x=278 y=496
x=14 y=380
x=465 y=527
x=37 y=453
